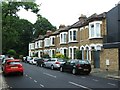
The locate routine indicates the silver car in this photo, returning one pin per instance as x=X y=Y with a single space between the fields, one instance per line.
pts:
x=54 y=63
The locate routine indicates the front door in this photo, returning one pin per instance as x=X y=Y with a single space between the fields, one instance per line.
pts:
x=96 y=57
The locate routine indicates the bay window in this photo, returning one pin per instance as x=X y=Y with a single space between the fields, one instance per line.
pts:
x=63 y=38
x=94 y=29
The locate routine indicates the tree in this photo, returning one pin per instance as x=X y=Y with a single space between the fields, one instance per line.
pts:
x=16 y=33
x=42 y=25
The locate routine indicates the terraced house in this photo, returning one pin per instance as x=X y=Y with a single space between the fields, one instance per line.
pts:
x=87 y=35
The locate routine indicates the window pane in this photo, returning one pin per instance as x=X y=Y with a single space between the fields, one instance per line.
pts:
x=70 y=35
x=65 y=38
x=74 y=35
x=97 y=29
x=92 y=30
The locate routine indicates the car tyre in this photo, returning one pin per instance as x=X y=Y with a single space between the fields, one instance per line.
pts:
x=73 y=71
x=52 y=67
x=4 y=74
x=41 y=65
x=61 y=69
x=21 y=74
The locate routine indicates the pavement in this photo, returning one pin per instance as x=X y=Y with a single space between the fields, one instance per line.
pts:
x=106 y=74
x=3 y=85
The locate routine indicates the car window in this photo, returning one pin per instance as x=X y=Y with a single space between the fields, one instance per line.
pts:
x=72 y=62
x=83 y=62
x=12 y=63
x=49 y=60
x=68 y=62
x=53 y=60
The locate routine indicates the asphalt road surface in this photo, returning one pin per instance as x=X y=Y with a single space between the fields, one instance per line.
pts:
x=39 y=77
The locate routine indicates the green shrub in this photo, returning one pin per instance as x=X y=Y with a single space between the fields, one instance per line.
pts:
x=12 y=53
x=78 y=54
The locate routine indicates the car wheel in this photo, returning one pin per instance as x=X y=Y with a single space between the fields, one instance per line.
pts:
x=41 y=65
x=52 y=67
x=4 y=74
x=87 y=73
x=61 y=69
x=21 y=73
x=74 y=71
x=44 y=66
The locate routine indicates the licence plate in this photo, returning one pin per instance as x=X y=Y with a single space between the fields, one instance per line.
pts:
x=14 y=67
x=85 y=69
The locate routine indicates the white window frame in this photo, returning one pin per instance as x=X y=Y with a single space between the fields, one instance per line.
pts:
x=62 y=50
x=94 y=31
x=71 y=54
x=51 y=54
x=46 y=42
x=40 y=44
x=63 y=37
x=71 y=38
x=51 y=40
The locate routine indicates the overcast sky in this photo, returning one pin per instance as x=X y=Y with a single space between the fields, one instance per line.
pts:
x=68 y=11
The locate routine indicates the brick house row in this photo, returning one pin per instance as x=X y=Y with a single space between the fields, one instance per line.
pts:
x=87 y=35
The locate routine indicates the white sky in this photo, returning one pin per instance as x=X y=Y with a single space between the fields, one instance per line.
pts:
x=68 y=11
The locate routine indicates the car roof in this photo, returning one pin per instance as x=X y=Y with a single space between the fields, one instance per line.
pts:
x=14 y=60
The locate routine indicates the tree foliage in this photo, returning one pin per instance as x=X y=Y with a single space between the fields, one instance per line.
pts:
x=16 y=32
x=78 y=54
x=42 y=25
x=11 y=52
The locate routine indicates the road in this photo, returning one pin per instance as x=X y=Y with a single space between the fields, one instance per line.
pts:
x=38 y=77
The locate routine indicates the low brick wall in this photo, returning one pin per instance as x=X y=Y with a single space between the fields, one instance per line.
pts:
x=112 y=56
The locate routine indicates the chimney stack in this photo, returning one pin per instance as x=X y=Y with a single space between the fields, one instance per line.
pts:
x=48 y=32
x=61 y=26
x=82 y=18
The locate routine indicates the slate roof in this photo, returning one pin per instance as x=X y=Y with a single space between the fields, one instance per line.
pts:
x=89 y=19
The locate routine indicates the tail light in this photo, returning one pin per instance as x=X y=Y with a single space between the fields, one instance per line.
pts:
x=57 y=63
x=7 y=66
x=19 y=66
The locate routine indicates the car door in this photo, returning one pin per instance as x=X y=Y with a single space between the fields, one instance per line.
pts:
x=66 y=66
x=71 y=65
x=47 y=64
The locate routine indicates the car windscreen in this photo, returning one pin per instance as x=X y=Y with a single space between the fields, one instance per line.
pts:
x=12 y=63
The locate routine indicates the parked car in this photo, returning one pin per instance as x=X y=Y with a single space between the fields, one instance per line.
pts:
x=4 y=60
x=76 y=66
x=2 y=57
x=12 y=66
x=54 y=63
x=27 y=59
x=33 y=60
x=41 y=61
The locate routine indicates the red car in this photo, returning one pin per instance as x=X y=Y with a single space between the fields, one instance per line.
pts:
x=13 y=66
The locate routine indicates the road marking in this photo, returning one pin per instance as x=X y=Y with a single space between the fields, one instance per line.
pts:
x=41 y=85
x=35 y=81
x=95 y=80
x=112 y=84
x=30 y=77
x=50 y=75
x=83 y=77
x=79 y=85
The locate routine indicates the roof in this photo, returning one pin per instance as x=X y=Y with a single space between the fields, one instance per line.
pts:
x=13 y=60
x=89 y=19
x=64 y=29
